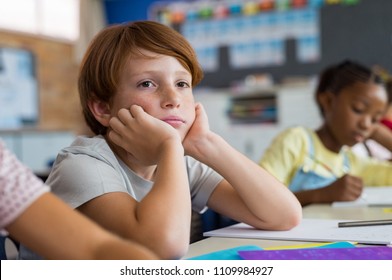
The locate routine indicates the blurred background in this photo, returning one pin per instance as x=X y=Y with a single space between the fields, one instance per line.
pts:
x=261 y=59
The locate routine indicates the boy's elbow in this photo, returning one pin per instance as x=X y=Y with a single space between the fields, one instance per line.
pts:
x=292 y=217
x=174 y=252
x=286 y=220
x=292 y=220
x=171 y=248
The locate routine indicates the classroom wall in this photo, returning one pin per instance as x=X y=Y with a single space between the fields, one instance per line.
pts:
x=57 y=71
x=361 y=32
x=118 y=11
x=57 y=80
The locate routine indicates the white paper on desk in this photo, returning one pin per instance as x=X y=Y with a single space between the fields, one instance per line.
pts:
x=314 y=230
x=371 y=196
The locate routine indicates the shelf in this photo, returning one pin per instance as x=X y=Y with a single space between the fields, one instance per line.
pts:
x=253 y=109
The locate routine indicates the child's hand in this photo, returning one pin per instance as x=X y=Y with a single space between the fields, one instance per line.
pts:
x=382 y=135
x=198 y=133
x=141 y=135
x=346 y=188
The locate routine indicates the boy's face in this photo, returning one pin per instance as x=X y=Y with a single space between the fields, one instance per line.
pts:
x=161 y=86
x=353 y=112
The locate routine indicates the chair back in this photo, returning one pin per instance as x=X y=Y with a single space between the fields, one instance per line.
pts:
x=8 y=248
x=3 y=255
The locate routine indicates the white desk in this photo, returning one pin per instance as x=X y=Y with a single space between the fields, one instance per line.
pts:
x=324 y=211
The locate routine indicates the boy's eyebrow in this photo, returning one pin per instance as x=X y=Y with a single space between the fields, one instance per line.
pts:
x=180 y=72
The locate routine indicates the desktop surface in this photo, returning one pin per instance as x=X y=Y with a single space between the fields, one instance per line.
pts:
x=314 y=211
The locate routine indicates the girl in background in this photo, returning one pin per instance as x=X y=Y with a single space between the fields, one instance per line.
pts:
x=377 y=145
x=318 y=166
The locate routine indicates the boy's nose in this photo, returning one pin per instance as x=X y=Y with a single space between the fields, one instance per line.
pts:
x=170 y=98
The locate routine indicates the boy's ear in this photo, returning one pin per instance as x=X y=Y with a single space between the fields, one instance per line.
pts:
x=100 y=110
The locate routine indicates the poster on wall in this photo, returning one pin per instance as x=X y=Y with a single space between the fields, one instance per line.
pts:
x=255 y=32
x=18 y=88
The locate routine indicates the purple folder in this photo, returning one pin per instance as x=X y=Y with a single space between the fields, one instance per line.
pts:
x=358 y=253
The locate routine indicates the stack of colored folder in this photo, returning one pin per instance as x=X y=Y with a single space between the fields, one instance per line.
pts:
x=312 y=251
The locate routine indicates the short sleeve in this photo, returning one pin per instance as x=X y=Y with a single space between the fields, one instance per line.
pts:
x=203 y=181
x=374 y=172
x=78 y=178
x=285 y=153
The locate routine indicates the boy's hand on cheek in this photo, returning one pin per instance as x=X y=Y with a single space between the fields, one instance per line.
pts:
x=140 y=134
x=197 y=135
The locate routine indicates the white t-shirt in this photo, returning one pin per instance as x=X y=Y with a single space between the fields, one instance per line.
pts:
x=377 y=151
x=89 y=168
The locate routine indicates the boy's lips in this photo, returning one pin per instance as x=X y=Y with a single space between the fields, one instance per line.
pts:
x=174 y=121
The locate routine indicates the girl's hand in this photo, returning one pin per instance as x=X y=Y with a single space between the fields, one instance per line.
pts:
x=142 y=135
x=382 y=135
x=346 y=188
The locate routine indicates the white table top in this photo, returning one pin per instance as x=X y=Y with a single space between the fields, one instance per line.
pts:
x=322 y=211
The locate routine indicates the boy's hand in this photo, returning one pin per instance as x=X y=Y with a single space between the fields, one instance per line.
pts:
x=346 y=188
x=198 y=133
x=141 y=135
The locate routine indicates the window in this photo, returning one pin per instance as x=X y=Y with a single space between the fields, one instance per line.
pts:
x=18 y=88
x=53 y=18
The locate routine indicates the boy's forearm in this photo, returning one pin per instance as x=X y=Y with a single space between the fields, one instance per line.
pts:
x=167 y=207
x=263 y=194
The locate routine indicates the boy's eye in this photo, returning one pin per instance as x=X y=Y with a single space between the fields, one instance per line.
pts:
x=182 y=84
x=146 y=84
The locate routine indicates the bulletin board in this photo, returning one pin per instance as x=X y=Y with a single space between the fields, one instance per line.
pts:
x=19 y=101
x=361 y=32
